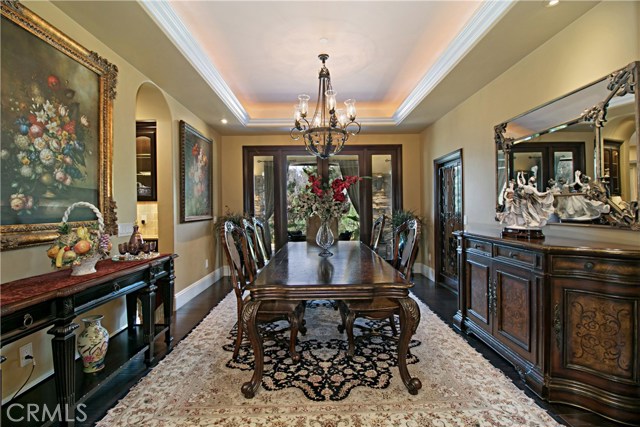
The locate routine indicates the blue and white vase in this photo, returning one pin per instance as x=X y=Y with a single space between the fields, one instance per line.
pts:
x=93 y=343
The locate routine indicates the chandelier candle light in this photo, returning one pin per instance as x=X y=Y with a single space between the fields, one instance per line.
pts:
x=328 y=131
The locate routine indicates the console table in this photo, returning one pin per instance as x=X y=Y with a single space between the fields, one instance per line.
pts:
x=564 y=312
x=55 y=299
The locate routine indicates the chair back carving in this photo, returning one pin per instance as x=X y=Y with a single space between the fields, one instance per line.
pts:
x=264 y=247
x=376 y=232
x=252 y=242
x=403 y=260
x=240 y=263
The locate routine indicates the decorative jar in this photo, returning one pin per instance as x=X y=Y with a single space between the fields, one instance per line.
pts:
x=93 y=343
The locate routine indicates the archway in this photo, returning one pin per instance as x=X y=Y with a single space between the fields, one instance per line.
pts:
x=151 y=105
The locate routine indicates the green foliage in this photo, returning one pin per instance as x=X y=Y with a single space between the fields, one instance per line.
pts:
x=401 y=216
x=64 y=228
x=234 y=217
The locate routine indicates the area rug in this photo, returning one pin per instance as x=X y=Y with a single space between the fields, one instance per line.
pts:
x=197 y=384
x=324 y=371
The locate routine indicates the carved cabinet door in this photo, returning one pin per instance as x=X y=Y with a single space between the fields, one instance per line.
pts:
x=516 y=309
x=594 y=342
x=479 y=291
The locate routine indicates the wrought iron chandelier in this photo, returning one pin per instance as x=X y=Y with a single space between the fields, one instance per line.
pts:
x=329 y=128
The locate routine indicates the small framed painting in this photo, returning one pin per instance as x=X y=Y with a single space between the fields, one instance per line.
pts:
x=195 y=175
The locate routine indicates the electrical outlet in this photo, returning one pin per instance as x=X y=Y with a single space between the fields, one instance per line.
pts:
x=25 y=350
x=206 y=263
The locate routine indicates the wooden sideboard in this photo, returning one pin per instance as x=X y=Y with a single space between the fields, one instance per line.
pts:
x=55 y=299
x=565 y=313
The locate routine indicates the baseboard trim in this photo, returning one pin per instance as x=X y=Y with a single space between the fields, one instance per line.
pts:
x=425 y=270
x=191 y=291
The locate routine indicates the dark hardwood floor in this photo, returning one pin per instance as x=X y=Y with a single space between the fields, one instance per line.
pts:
x=441 y=300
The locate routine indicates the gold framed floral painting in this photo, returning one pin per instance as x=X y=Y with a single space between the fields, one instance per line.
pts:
x=56 y=115
x=195 y=175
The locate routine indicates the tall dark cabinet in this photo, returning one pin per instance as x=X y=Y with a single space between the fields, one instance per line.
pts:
x=565 y=313
x=146 y=181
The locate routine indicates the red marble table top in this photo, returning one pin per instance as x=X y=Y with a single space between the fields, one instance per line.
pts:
x=32 y=290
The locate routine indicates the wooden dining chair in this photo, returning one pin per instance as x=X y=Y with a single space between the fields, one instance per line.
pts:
x=252 y=243
x=376 y=232
x=383 y=308
x=243 y=273
x=264 y=246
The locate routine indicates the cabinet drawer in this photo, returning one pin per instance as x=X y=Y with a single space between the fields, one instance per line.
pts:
x=530 y=259
x=27 y=321
x=478 y=246
x=605 y=268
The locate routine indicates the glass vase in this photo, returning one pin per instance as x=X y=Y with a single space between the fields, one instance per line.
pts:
x=324 y=238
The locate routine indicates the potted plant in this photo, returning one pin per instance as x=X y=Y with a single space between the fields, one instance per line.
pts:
x=234 y=217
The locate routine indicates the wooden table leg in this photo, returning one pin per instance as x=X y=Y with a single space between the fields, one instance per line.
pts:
x=249 y=319
x=409 y=320
x=63 y=346
x=166 y=288
x=148 y=300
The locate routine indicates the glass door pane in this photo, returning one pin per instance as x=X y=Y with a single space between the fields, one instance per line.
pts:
x=382 y=199
x=299 y=167
x=529 y=164
x=263 y=195
x=563 y=166
x=339 y=167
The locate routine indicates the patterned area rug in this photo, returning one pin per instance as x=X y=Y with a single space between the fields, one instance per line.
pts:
x=324 y=371
x=197 y=384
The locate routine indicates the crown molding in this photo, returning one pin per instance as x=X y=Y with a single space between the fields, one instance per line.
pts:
x=166 y=18
x=483 y=19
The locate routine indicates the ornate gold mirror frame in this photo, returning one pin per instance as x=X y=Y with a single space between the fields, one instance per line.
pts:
x=56 y=129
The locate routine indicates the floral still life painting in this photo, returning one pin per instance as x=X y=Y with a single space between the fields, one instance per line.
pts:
x=49 y=132
x=195 y=175
x=56 y=99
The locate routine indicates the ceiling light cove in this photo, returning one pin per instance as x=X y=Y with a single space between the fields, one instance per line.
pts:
x=259 y=69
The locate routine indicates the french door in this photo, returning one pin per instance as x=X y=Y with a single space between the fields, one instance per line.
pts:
x=274 y=174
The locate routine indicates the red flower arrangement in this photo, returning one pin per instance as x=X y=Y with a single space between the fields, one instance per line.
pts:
x=326 y=201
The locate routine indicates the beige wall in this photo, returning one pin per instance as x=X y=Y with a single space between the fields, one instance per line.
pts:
x=193 y=241
x=602 y=40
x=231 y=168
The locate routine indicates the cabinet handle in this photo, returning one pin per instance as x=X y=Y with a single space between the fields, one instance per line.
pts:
x=557 y=324
x=490 y=295
x=495 y=297
x=588 y=266
x=116 y=287
x=513 y=255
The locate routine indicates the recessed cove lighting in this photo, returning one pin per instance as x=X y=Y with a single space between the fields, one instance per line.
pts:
x=224 y=121
x=552 y=3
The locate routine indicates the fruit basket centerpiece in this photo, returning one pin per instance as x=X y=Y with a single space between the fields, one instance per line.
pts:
x=81 y=248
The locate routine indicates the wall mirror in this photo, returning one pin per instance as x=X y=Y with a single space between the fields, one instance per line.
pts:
x=583 y=147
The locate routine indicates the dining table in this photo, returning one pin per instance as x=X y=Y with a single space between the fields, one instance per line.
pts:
x=296 y=272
